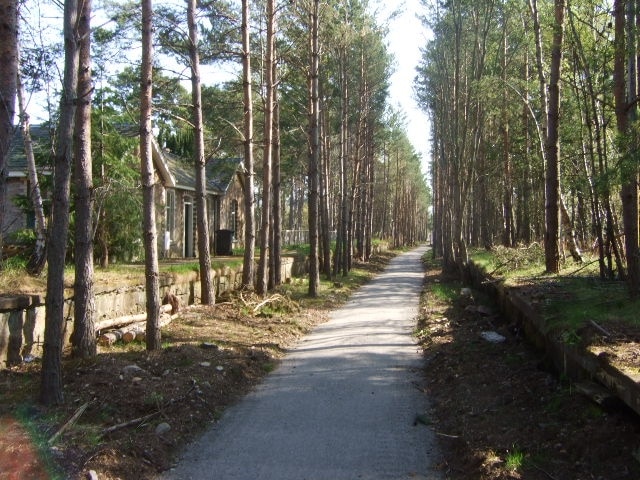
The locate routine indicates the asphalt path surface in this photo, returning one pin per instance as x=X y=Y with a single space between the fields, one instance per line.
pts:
x=342 y=404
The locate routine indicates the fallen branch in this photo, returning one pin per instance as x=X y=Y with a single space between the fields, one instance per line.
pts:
x=599 y=328
x=582 y=268
x=69 y=422
x=271 y=299
x=135 y=421
x=503 y=264
x=144 y=418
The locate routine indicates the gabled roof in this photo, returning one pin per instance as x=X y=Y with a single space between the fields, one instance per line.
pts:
x=160 y=162
x=17 y=162
x=176 y=172
x=219 y=172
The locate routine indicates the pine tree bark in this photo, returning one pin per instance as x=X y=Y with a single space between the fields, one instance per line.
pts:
x=83 y=338
x=314 y=153
x=263 y=280
x=150 y=236
x=51 y=374
x=248 y=268
x=324 y=179
x=204 y=254
x=8 y=79
x=275 y=274
x=626 y=114
x=552 y=147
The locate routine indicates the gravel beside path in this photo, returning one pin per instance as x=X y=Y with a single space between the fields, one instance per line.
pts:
x=341 y=405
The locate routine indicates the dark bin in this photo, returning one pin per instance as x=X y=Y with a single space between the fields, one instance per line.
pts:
x=224 y=242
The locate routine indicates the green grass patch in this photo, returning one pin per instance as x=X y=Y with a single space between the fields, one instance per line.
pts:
x=514 y=460
x=446 y=292
x=568 y=301
x=269 y=367
x=578 y=301
x=31 y=420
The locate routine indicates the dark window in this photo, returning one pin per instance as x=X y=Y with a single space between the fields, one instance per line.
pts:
x=234 y=218
x=171 y=211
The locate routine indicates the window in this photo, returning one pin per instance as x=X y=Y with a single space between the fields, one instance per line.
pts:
x=171 y=211
x=234 y=218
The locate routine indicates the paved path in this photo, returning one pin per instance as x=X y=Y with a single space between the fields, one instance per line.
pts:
x=341 y=406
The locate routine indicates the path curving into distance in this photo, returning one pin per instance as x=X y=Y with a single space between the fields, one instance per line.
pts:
x=341 y=405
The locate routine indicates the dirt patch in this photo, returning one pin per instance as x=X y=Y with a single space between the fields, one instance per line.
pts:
x=141 y=408
x=500 y=412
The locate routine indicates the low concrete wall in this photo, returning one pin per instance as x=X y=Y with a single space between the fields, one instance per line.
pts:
x=573 y=362
x=22 y=316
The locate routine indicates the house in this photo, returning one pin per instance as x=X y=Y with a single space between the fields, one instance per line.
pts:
x=224 y=206
x=174 y=199
x=18 y=184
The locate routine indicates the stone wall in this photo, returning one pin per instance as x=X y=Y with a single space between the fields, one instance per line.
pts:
x=22 y=316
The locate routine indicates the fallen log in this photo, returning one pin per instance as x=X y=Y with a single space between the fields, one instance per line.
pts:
x=109 y=338
x=127 y=319
x=135 y=333
x=129 y=333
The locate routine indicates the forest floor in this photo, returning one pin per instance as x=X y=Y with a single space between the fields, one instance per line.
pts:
x=496 y=413
x=500 y=412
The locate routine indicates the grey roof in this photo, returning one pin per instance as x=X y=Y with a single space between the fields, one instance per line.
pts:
x=219 y=172
x=176 y=171
x=17 y=163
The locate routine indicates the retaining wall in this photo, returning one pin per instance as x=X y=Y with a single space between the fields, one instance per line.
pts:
x=569 y=360
x=22 y=316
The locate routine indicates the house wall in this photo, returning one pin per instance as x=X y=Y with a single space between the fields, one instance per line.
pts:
x=219 y=216
x=177 y=234
x=15 y=219
x=234 y=193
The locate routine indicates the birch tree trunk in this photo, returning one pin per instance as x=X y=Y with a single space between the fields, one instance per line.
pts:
x=204 y=254
x=38 y=258
x=152 y=283
x=83 y=338
x=51 y=374
x=248 y=269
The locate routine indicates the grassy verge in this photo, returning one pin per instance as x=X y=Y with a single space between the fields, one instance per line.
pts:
x=570 y=301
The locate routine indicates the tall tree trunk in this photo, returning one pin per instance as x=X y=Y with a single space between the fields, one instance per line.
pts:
x=248 y=269
x=83 y=339
x=626 y=113
x=507 y=206
x=204 y=255
x=262 y=284
x=552 y=148
x=38 y=258
x=8 y=79
x=275 y=274
x=325 y=158
x=51 y=374
x=342 y=253
x=314 y=153
x=149 y=232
